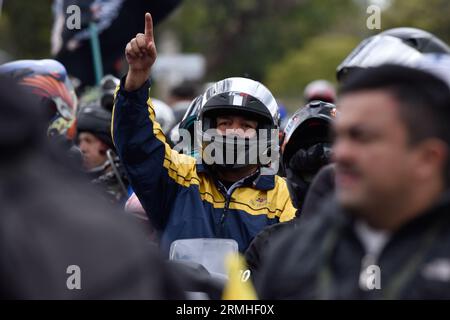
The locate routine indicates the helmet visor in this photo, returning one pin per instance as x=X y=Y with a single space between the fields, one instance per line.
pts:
x=193 y=108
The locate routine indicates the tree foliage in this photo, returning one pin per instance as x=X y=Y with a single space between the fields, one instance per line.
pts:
x=317 y=59
x=25 y=28
x=430 y=15
x=284 y=43
x=245 y=37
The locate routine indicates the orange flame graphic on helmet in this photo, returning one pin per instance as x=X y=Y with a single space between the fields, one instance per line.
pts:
x=49 y=86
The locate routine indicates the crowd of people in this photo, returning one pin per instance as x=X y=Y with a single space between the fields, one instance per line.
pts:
x=356 y=178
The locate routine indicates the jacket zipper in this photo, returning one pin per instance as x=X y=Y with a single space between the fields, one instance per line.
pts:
x=225 y=210
x=227 y=195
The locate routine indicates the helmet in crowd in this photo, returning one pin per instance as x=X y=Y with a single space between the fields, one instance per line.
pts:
x=97 y=121
x=437 y=64
x=284 y=116
x=244 y=97
x=179 y=98
x=110 y=175
x=306 y=146
x=164 y=115
x=108 y=86
x=48 y=81
x=403 y=46
x=187 y=123
x=320 y=90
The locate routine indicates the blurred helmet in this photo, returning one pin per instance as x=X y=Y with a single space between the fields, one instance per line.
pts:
x=320 y=90
x=164 y=115
x=403 y=46
x=437 y=64
x=284 y=117
x=95 y=120
x=187 y=123
x=306 y=146
x=108 y=86
x=238 y=96
x=48 y=81
x=180 y=96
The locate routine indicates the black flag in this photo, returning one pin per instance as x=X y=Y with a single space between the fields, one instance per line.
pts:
x=117 y=21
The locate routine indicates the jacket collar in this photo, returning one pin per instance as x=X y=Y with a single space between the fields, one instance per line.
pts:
x=260 y=182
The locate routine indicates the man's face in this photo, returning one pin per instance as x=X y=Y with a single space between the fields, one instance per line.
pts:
x=374 y=163
x=238 y=125
x=93 y=150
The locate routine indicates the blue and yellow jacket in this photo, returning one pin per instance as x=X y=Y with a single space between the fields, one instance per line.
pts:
x=181 y=198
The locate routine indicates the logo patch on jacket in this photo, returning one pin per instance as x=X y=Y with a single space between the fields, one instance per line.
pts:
x=260 y=201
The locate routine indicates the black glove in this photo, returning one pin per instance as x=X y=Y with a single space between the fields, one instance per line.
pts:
x=309 y=161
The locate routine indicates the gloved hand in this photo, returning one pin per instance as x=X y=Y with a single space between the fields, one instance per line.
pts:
x=312 y=159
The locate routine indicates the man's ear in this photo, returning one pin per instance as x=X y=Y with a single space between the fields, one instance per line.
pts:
x=432 y=158
x=104 y=147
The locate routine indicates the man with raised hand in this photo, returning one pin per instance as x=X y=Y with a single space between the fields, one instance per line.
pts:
x=184 y=198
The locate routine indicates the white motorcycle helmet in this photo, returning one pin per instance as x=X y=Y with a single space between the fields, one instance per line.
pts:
x=403 y=46
x=240 y=96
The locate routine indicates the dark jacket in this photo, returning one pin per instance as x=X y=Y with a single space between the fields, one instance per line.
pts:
x=180 y=196
x=259 y=247
x=322 y=259
x=321 y=187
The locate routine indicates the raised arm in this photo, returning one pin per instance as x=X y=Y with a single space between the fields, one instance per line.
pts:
x=155 y=171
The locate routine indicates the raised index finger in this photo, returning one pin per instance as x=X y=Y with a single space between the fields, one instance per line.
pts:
x=148 y=26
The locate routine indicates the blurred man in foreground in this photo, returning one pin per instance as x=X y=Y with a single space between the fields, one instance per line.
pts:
x=386 y=235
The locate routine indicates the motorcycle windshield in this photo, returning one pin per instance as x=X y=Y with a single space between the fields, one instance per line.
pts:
x=210 y=253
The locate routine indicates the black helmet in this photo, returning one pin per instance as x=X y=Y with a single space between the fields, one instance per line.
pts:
x=399 y=46
x=95 y=120
x=240 y=96
x=306 y=146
